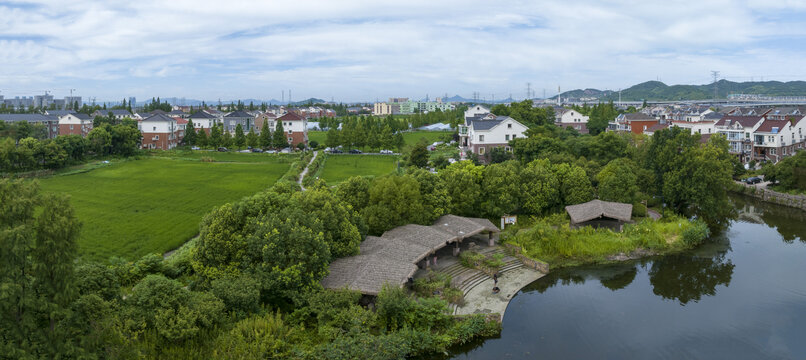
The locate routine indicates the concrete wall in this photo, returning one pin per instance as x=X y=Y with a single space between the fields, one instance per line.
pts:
x=795 y=201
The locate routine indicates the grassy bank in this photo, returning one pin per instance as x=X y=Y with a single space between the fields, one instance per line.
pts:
x=550 y=239
x=338 y=168
x=137 y=207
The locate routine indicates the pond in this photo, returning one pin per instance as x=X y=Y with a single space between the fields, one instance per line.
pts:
x=740 y=295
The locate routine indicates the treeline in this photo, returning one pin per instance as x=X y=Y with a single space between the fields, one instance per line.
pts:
x=34 y=154
x=219 y=138
x=600 y=115
x=249 y=288
x=789 y=173
x=372 y=132
x=22 y=129
x=526 y=113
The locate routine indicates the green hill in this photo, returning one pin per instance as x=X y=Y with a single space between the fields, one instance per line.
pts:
x=658 y=91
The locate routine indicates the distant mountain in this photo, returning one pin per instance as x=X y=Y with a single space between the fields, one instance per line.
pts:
x=658 y=91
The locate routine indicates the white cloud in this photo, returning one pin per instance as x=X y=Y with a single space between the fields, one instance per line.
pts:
x=360 y=50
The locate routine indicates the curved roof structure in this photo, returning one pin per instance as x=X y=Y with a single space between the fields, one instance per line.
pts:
x=595 y=209
x=391 y=258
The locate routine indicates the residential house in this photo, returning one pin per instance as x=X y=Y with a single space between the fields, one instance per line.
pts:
x=75 y=124
x=295 y=127
x=181 y=125
x=632 y=122
x=263 y=118
x=50 y=122
x=650 y=131
x=479 y=135
x=178 y=113
x=739 y=130
x=698 y=127
x=203 y=120
x=246 y=120
x=118 y=114
x=771 y=139
x=571 y=118
x=476 y=110
x=159 y=131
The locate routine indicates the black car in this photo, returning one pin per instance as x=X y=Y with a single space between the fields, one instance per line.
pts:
x=336 y=151
x=356 y=151
x=222 y=149
x=753 y=180
x=257 y=150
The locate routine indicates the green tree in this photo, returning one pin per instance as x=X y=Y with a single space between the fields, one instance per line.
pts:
x=354 y=192
x=100 y=140
x=279 y=140
x=463 y=181
x=393 y=201
x=190 y=134
x=338 y=221
x=618 y=181
x=239 y=140
x=501 y=191
x=38 y=234
x=434 y=193
x=226 y=139
x=201 y=138
x=575 y=185
x=265 y=135
x=125 y=139
x=418 y=157
x=333 y=139
x=539 y=187
x=252 y=139
x=216 y=136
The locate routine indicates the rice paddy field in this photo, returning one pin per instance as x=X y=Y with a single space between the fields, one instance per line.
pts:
x=338 y=168
x=131 y=208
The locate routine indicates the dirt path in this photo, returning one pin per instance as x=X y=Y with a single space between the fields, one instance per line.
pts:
x=305 y=171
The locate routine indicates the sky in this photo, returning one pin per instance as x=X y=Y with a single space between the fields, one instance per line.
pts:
x=356 y=50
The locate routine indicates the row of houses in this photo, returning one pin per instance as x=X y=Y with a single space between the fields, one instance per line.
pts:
x=768 y=134
x=165 y=130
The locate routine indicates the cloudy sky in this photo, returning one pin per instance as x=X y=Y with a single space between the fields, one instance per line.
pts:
x=355 y=50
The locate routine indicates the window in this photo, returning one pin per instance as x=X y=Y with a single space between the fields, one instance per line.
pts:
x=772 y=151
x=481 y=138
x=507 y=148
x=514 y=136
x=290 y=139
x=156 y=137
x=71 y=127
x=506 y=137
x=509 y=126
x=481 y=150
x=155 y=128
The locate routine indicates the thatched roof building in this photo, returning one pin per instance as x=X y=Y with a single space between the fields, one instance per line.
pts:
x=367 y=273
x=392 y=257
x=598 y=213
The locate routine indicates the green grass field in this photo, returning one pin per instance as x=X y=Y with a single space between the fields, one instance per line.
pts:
x=132 y=208
x=318 y=136
x=338 y=168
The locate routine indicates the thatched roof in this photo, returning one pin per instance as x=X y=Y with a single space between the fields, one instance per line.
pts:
x=367 y=273
x=463 y=227
x=427 y=236
x=391 y=258
x=394 y=248
x=595 y=209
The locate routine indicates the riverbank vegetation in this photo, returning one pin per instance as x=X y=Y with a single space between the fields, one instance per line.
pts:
x=788 y=175
x=552 y=240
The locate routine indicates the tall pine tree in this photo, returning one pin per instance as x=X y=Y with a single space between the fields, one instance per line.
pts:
x=279 y=141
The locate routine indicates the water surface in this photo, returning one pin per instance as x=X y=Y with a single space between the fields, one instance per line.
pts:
x=741 y=295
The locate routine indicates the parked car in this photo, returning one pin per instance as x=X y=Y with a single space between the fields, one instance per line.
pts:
x=356 y=151
x=753 y=180
x=257 y=150
x=245 y=151
x=271 y=151
x=223 y=149
x=195 y=148
x=387 y=152
x=336 y=151
x=286 y=150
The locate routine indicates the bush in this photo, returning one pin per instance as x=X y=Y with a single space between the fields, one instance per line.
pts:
x=695 y=234
x=240 y=294
x=258 y=337
x=471 y=259
x=638 y=210
x=92 y=278
x=393 y=307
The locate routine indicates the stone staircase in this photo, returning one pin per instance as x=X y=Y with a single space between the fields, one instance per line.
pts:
x=466 y=279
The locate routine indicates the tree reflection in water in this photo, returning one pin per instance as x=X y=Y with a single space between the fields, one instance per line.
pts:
x=686 y=278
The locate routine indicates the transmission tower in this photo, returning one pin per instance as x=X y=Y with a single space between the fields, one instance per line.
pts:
x=715 y=74
x=528 y=90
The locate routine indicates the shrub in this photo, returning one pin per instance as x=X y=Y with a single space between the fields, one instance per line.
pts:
x=240 y=294
x=695 y=234
x=393 y=306
x=92 y=278
x=639 y=210
x=471 y=259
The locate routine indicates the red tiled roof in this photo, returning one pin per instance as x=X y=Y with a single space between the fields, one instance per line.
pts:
x=769 y=124
x=180 y=121
x=291 y=116
x=746 y=121
x=656 y=127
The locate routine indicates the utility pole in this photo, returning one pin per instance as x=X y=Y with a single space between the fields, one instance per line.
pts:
x=528 y=90
x=715 y=74
x=282 y=98
x=71 y=99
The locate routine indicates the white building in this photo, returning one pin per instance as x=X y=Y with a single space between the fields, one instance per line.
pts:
x=480 y=136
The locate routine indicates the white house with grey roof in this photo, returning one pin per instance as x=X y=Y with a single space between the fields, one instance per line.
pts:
x=234 y=118
x=479 y=135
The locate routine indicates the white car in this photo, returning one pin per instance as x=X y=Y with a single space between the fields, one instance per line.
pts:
x=195 y=148
x=245 y=151
x=286 y=150
x=387 y=152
